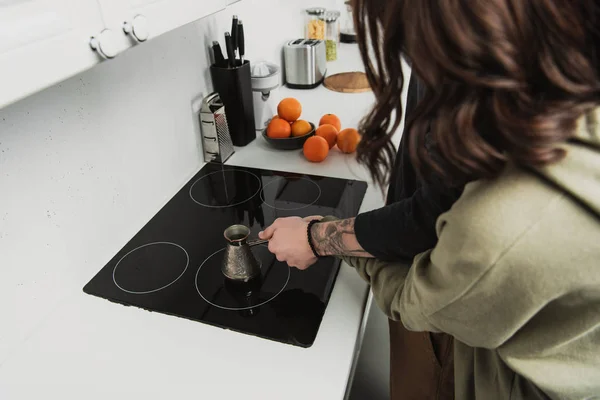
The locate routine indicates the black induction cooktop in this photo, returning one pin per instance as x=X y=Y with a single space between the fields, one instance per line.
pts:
x=173 y=264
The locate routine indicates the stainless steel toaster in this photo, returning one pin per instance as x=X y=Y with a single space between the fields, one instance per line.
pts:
x=305 y=63
x=216 y=141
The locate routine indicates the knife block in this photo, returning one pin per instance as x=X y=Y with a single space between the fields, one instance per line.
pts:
x=235 y=89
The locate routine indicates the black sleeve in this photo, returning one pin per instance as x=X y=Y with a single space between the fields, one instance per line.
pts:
x=406 y=228
x=402 y=167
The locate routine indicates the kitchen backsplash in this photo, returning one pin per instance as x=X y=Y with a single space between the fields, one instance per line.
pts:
x=85 y=163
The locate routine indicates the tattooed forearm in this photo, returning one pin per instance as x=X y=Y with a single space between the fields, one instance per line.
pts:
x=337 y=238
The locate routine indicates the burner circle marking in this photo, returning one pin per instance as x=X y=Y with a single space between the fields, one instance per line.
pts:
x=235 y=308
x=227 y=205
x=262 y=197
x=160 y=288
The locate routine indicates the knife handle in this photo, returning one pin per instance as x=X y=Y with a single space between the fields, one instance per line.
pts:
x=230 y=53
x=218 y=54
x=234 y=34
x=241 y=42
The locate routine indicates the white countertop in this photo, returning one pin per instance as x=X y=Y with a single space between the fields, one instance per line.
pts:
x=89 y=348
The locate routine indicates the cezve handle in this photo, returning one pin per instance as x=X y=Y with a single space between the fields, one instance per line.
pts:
x=257 y=242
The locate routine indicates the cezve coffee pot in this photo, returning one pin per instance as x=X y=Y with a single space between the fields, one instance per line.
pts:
x=239 y=264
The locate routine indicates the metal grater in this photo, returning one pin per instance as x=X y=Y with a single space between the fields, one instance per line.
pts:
x=216 y=141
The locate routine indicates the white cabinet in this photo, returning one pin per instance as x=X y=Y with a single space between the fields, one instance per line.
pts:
x=145 y=19
x=43 y=42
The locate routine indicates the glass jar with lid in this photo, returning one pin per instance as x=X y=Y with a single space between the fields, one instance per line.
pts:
x=332 y=33
x=314 y=26
x=347 y=32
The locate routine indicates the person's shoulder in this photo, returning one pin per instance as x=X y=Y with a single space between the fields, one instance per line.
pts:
x=516 y=191
x=494 y=212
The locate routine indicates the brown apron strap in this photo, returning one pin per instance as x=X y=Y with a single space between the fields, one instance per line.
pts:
x=421 y=364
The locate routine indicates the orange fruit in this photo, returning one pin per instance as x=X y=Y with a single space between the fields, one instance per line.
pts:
x=329 y=133
x=315 y=149
x=275 y=117
x=331 y=119
x=348 y=140
x=279 y=129
x=289 y=109
x=301 y=128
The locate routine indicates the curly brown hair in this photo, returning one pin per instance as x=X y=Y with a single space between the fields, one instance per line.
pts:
x=505 y=79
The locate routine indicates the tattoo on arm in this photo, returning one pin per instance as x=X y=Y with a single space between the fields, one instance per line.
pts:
x=337 y=238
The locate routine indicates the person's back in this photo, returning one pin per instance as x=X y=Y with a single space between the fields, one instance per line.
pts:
x=519 y=279
x=513 y=88
x=514 y=278
x=511 y=110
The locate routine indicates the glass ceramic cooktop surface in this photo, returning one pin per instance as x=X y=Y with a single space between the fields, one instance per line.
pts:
x=173 y=264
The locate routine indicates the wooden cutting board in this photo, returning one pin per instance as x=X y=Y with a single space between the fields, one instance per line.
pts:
x=348 y=82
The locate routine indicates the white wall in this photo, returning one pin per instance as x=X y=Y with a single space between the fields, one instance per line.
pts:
x=112 y=143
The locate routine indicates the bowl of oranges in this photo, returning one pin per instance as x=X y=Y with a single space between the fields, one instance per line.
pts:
x=286 y=131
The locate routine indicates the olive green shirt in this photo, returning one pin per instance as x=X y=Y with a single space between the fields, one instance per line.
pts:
x=514 y=278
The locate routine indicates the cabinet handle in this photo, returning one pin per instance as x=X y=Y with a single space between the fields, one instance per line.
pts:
x=137 y=28
x=105 y=44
